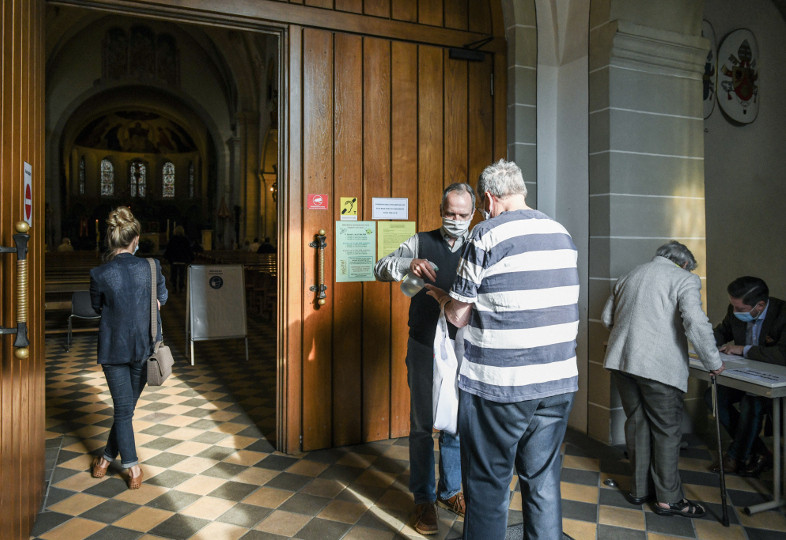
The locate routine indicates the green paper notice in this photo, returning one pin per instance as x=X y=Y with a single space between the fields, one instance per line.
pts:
x=355 y=242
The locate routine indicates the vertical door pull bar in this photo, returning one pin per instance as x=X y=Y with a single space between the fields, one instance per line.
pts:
x=320 y=287
x=20 y=240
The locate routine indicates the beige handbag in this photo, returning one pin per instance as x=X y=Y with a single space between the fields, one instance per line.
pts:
x=159 y=365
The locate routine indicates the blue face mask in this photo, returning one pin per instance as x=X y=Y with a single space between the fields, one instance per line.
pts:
x=746 y=317
x=136 y=248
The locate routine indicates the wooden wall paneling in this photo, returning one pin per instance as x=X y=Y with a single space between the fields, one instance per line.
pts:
x=480 y=142
x=291 y=360
x=320 y=3
x=500 y=106
x=430 y=136
x=348 y=182
x=352 y=6
x=480 y=18
x=456 y=13
x=376 y=295
x=456 y=155
x=377 y=8
x=430 y=12
x=317 y=178
x=404 y=176
x=404 y=10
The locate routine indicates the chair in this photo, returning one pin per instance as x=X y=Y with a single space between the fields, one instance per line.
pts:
x=81 y=308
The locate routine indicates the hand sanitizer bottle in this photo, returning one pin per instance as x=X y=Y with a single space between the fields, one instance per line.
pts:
x=411 y=284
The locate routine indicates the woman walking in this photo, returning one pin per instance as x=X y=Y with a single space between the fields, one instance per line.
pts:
x=120 y=292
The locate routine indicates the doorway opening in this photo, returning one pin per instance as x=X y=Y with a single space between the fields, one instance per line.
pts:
x=180 y=122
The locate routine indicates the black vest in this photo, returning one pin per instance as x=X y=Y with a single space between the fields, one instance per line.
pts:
x=424 y=310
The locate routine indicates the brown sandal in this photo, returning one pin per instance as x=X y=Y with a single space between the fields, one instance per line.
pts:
x=135 y=482
x=97 y=470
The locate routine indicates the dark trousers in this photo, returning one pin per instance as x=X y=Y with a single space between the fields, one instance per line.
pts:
x=177 y=271
x=422 y=484
x=126 y=382
x=744 y=425
x=495 y=438
x=652 y=435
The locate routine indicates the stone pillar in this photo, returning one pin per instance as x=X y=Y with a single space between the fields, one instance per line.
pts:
x=646 y=172
x=249 y=187
x=227 y=191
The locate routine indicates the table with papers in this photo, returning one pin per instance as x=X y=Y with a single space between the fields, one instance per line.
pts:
x=761 y=379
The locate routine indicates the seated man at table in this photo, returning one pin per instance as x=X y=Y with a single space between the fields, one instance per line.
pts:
x=754 y=328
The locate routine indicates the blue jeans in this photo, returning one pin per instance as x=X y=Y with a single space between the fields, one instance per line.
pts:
x=125 y=382
x=422 y=484
x=495 y=437
x=743 y=426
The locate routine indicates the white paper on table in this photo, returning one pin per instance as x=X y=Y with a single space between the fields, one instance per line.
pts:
x=755 y=375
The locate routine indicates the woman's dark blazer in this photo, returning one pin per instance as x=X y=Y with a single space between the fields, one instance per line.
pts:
x=120 y=292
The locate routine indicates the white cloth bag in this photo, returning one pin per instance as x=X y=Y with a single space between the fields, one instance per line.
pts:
x=447 y=358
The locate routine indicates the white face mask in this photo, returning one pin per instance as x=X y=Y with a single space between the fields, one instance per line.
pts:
x=454 y=227
x=486 y=215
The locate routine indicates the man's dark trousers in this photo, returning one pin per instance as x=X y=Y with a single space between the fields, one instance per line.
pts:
x=420 y=376
x=495 y=437
x=652 y=434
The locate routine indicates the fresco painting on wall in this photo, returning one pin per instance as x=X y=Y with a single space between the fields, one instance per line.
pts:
x=738 y=73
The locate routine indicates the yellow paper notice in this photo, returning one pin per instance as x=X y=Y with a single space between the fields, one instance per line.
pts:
x=391 y=234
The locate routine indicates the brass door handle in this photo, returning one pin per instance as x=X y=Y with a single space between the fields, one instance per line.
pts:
x=20 y=239
x=320 y=287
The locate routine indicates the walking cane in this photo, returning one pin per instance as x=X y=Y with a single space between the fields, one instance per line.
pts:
x=720 y=450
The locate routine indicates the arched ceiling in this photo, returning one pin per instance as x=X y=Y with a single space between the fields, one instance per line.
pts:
x=135 y=130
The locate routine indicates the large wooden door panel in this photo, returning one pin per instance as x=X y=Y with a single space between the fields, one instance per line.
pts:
x=21 y=379
x=380 y=118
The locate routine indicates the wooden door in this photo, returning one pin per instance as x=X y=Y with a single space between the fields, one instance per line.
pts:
x=378 y=118
x=21 y=379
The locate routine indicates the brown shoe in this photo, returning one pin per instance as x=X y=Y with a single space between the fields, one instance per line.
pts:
x=135 y=482
x=757 y=465
x=98 y=470
x=426 y=518
x=730 y=465
x=455 y=504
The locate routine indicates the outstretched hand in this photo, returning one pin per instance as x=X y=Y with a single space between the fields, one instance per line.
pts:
x=435 y=292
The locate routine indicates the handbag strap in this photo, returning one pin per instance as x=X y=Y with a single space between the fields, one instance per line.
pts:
x=152 y=299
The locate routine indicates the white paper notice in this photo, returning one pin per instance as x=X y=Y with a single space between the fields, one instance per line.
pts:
x=389 y=208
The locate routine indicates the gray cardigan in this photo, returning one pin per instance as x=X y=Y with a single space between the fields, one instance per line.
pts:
x=652 y=313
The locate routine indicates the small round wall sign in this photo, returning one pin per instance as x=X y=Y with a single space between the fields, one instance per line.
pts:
x=216 y=282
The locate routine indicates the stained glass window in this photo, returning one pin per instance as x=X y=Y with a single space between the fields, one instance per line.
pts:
x=82 y=175
x=137 y=179
x=107 y=178
x=168 y=177
x=191 y=180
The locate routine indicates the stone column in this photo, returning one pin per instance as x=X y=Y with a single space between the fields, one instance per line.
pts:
x=646 y=173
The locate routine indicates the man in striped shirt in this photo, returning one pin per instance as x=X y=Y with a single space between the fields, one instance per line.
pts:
x=517 y=290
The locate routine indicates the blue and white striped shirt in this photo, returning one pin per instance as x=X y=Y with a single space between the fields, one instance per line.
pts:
x=519 y=271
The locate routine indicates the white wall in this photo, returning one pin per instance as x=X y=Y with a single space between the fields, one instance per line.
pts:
x=745 y=166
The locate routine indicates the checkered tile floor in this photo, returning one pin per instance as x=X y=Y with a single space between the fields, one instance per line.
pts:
x=211 y=471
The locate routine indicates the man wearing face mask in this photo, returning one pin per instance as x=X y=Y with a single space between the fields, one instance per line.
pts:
x=516 y=292
x=754 y=328
x=441 y=248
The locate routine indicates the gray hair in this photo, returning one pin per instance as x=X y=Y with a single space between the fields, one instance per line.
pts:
x=501 y=179
x=678 y=254
x=458 y=187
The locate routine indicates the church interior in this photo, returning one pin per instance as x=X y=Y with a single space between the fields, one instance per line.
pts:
x=225 y=119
